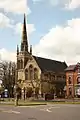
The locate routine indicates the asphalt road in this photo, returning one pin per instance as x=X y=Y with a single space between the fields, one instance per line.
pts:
x=47 y=112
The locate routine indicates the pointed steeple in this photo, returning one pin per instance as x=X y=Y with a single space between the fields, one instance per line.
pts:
x=17 y=50
x=24 y=41
x=31 y=49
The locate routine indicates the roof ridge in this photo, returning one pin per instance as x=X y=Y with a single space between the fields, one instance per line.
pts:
x=48 y=59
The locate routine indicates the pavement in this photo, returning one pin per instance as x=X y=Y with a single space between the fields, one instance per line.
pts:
x=45 y=112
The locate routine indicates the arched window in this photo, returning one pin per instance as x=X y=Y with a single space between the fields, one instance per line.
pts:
x=21 y=64
x=18 y=64
x=31 y=72
x=78 y=80
x=26 y=74
x=35 y=73
x=70 y=80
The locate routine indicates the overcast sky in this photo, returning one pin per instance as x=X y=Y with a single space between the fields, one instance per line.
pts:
x=53 y=28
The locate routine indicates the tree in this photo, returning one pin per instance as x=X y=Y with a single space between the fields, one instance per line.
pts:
x=9 y=77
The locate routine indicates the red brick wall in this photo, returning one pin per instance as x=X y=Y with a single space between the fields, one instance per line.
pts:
x=74 y=81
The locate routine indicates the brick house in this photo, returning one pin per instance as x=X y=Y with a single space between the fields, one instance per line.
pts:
x=73 y=80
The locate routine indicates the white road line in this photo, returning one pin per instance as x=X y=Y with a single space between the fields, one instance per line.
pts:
x=48 y=110
x=28 y=106
x=54 y=107
x=10 y=111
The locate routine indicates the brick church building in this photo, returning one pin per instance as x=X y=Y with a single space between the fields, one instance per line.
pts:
x=34 y=71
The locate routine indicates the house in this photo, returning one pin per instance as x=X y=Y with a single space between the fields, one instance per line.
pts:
x=73 y=80
x=34 y=71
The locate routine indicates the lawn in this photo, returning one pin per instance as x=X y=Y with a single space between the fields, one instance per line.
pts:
x=37 y=102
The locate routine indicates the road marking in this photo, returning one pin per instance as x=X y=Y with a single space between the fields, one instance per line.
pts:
x=54 y=107
x=28 y=106
x=48 y=109
x=10 y=111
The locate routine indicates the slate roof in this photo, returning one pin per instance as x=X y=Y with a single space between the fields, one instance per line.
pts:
x=50 y=65
x=70 y=68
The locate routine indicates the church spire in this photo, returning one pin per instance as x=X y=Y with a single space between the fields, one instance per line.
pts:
x=24 y=41
x=17 y=50
x=31 y=49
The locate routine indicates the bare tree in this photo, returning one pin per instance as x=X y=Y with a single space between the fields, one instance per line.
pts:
x=9 y=77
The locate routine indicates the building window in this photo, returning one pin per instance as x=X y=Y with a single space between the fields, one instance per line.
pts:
x=78 y=80
x=30 y=72
x=35 y=73
x=78 y=70
x=18 y=64
x=59 y=78
x=64 y=78
x=26 y=74
x=21 y=64
x=70 y=91
x=69 y=80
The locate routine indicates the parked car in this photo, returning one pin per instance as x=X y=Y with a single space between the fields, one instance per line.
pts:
x=49 y=96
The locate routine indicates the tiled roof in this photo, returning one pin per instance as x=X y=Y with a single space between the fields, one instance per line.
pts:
x=50 y=65
x=70 y=68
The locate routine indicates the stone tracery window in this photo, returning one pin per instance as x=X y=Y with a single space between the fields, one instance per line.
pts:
x=18 y=64
x=31 y=72
x=26 y=74
x=35 y=73
x=21 y=63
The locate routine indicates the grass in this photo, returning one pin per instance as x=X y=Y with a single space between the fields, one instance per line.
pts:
x=33 y=103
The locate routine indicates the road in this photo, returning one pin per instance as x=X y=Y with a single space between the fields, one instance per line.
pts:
x=46 y=112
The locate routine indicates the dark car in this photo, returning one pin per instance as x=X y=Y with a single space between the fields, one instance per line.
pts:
x=49 y=96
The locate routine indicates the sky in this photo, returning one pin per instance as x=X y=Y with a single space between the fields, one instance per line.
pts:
x=53 y=28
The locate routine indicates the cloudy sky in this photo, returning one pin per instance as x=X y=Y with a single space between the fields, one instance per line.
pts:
x=53 y=28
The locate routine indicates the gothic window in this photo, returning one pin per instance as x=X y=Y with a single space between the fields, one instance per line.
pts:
x=25 y=62
x=30 y=72
x=78 y=80
x=21 y=64
x=69 y=80
x=18 y=64
x=26 y=74
x=35 y=73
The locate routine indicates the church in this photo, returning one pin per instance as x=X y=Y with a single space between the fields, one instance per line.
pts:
x=36 y=72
